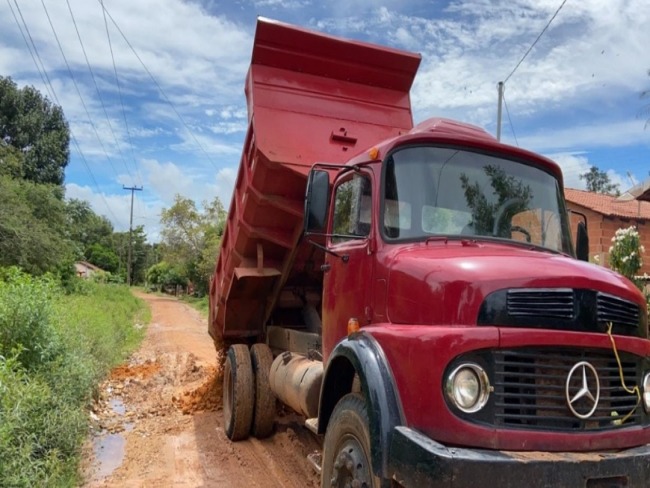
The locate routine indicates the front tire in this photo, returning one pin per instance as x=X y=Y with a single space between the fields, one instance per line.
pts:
x=346 y=450
x=238 y=392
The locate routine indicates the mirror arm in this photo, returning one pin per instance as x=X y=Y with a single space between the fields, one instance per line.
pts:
x=343 y=257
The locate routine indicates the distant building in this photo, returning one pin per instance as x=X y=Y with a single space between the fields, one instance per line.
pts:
x=641 y=191
x=605 y=215
x=85 y=270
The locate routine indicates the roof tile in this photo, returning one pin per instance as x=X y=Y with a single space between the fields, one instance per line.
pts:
x=608 y=205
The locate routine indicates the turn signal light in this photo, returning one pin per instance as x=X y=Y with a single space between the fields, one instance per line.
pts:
x=373 y=153
x=353 y=326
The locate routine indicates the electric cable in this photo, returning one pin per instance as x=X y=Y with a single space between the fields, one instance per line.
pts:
x=74 y=82
x=162 y=92
x=99 y=95
x=22 y=33
x=536 y=40
x=56 y=99
x=119 y=90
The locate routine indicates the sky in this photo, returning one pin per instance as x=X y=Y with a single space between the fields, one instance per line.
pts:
x=153 y=90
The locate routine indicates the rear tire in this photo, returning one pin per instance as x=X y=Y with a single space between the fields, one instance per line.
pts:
x=264 y=415
x=346 y=450
x=238 y=392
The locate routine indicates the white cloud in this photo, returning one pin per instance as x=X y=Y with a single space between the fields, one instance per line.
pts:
x=614 y=134
x=575 y=164
x=574 y=93
x=572 y=165
x=116 y=208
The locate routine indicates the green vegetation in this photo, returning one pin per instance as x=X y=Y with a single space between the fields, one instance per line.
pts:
x=34 y=134
x=199 y=303
x=626 y=257
x=190 y=244
x=598 y=181
x=54 y=350
x=39 y=231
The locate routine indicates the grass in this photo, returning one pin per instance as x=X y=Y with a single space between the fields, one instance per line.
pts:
x=54 y=350
x=200 y=304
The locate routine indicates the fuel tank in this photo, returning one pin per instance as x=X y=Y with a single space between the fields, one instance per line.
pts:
x=296 y=381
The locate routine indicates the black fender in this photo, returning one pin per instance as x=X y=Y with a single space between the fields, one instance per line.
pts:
x=361 y=354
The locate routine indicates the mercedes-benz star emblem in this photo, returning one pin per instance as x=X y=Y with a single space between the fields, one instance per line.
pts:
x=582 y=390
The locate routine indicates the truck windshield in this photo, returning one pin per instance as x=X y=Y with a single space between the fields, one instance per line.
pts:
x=446 y=191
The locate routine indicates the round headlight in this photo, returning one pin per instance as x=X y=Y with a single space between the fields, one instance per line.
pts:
x=468 y=387
x=646 y=392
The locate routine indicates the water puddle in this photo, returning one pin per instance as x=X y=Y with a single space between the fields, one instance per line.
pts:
x=109 y=454
x=109 y=447
x=117 y=405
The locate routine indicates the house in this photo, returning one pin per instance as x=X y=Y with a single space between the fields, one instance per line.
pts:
x=85 y=270
x=605 y=215
x=641 y=191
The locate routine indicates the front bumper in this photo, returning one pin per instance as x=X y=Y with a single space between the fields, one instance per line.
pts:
x=417 y=461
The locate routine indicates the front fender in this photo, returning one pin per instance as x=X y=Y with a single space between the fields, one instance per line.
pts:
x=362 y=355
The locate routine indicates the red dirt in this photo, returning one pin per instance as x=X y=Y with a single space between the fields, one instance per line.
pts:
x=172 y=424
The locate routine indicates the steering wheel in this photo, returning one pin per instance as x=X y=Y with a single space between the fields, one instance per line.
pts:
x=498 y=215
x=517 y=228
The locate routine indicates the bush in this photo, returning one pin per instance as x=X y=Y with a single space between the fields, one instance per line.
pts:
x=625 y=252
x=27 y=331
x=54 y=350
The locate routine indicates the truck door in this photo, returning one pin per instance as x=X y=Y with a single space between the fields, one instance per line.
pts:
x=348 y=277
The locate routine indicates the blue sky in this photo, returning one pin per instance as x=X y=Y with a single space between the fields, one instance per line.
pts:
x=575 y=98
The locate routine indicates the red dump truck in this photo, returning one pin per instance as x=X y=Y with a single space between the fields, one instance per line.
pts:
x=415 y=291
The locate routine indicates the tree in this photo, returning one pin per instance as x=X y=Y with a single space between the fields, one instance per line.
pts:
x=35 y=127
x=33 y=227
x=103 y=257
x=191 y=238
x=142 y=253
x=85 y=227
x=598 y=181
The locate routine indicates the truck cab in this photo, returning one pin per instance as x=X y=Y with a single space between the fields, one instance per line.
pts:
x=454 y=254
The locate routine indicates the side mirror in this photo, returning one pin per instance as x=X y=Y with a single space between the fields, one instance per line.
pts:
x=316 y=201
x=582 y=242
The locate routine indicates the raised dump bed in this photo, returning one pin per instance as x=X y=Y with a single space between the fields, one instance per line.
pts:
x=311 y=98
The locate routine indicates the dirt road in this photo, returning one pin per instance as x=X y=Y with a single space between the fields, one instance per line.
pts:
x=159 y=421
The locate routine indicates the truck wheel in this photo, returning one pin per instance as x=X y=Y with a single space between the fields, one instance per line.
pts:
x=264 y=415
x=238 y=392
x=346 y=450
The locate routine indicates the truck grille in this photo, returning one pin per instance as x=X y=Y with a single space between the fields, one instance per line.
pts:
x=529 y=389
x=617 y=311
x=556 y=303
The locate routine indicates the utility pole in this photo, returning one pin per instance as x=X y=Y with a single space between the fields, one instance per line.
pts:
x=133 y=189
x=500 y=88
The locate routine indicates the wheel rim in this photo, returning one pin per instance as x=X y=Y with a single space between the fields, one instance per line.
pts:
x=227 y=392
x=351 y=467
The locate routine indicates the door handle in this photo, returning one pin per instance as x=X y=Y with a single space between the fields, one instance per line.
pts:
x=325 y=267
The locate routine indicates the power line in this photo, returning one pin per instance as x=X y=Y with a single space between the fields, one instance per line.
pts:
x=74 y=82
x=45 y=75
x=36 y=56
x=22 y=33
x=536 y=40
x=99 y=95
x=162 y=92
x=512 y=127
x=119 y=90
